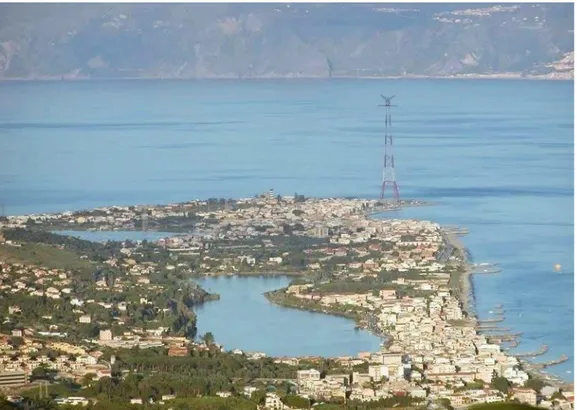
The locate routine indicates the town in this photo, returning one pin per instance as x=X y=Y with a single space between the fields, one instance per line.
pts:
x=114 y=317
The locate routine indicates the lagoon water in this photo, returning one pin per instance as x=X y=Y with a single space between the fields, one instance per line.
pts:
x=243 y=318
x=497 y=156
x=104 y=236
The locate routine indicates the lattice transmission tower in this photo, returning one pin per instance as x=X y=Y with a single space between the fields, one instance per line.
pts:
x=389 y=176
x=144 y=219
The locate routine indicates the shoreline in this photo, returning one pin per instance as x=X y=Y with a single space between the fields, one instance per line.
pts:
x=466 y=294
x=291 y=274
x=467 y=298
x=273 y=297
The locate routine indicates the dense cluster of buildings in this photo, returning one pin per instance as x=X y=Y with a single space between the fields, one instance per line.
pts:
x=432 y=352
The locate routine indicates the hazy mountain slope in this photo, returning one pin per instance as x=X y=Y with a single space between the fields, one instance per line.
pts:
x=281 y=40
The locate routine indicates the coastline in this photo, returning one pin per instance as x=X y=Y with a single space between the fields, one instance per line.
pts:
x=466 y=290
x=502 y=76
x=467 y=298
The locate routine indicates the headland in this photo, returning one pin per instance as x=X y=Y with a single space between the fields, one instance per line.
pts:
x=408 y=281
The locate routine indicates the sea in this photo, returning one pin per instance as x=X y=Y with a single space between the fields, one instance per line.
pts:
x=495 y=156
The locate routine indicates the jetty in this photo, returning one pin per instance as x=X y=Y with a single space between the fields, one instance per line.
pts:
x=491 y=320
x=542 y=350
x=506 y=337
x=456 y=230
x=485 y=268
x=513 y=344
x=550 y=363
x=488 y=328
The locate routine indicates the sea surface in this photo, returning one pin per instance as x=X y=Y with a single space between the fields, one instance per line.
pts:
x=496 y=155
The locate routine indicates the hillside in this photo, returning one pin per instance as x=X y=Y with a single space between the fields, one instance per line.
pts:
x=284 y=40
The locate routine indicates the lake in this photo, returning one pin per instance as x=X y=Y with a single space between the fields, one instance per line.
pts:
x=496 y=155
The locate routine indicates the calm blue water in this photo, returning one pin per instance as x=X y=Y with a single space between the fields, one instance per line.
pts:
x=243 y=318
x=497 y=156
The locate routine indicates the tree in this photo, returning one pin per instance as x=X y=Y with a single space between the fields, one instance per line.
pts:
x=557 y=396
x=208 y=338
x=258 y=396
x=296 y=402
x=42 y=373
x=500 y=383
x=87 y=379
x=446 y=403
x=535 y=384
x=16 y=341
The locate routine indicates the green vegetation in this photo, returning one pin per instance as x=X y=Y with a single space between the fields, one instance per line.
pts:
x=535 y=384
x=44 y=255
x=501 y=384
x=167 y=303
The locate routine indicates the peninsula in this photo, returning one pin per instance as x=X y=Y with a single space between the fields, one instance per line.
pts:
x=115 y=318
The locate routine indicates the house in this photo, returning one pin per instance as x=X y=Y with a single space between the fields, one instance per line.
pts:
x=311 y=374
x=178 y=351
x=378 y=371
x=85 y=319
x=388 y=294
x=17 y=333
x=249 y=390
x=525 y=395
x=273 y=402
x=106 y=335
x=223 y=394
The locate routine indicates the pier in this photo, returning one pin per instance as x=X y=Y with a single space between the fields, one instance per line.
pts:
x=456 y=230
x=485 y=268
x=499 y=311
x=550 y=363
x=542 y=350
x=491 y=320
x=506 y=337
x=487 y=271
x=489 y=328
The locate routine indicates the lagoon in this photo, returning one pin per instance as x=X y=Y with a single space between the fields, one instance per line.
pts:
x=104 y=236
x=243 y=318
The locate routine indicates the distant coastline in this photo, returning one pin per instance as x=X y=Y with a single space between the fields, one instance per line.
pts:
x=499 y=76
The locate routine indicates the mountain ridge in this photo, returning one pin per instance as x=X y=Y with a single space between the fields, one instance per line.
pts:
x=285 y=40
